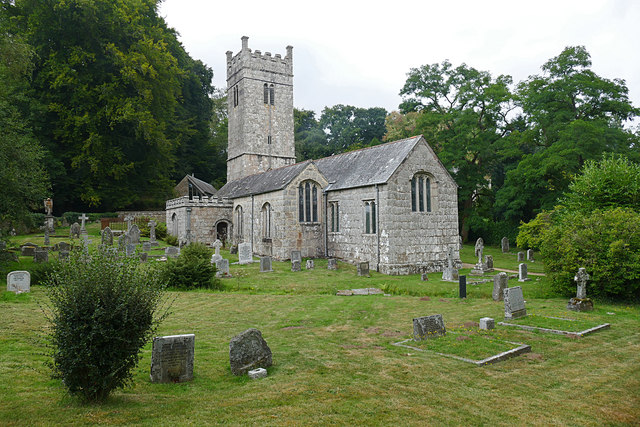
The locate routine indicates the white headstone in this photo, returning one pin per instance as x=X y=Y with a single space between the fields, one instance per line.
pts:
x=216 y=256
x=19 y=281
x=487 y=323
x=83 y=218
x=522 y=273
x=222 y=267
x=310 y=264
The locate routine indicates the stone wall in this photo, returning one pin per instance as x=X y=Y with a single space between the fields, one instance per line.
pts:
x=157 y=216
x=204 y=216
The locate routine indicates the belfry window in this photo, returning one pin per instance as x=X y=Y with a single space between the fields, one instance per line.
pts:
x=269 y=94
x=308 y=202
x=266 y=93
x=236 y=96
x=421 y=193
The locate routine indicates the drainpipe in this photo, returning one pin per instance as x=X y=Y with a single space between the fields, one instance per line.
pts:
x=326 y=225
x=252 y=225
x=378 y=225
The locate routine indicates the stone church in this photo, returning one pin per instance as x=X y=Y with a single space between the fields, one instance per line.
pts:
x=393 y=205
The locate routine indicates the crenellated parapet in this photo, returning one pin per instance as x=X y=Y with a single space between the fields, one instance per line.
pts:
x=185 y=202
x=257 y=61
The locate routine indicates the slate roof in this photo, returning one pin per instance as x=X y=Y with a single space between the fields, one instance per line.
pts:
x=203 y=187
x=265 y=182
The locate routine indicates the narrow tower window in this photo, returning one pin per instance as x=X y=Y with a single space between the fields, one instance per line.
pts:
x=266 y=94
x=272 y=96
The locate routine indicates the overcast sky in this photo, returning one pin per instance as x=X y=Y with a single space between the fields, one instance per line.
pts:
x=359 y=52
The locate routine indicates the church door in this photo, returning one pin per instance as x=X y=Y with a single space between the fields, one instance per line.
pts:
x=221 y=231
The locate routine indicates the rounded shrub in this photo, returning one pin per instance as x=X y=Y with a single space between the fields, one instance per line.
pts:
x=103 y=308
x=192 y=269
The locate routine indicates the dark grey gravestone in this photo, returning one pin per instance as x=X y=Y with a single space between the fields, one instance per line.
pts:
x=107 y=236
x=172 y=358
x=363 y=269
x=295 y=265
x=172 y=252
x=332 y=264
x=146 y=246
x=28 y=249
x=424 y=277
x=530 y=255
x=462 y=286
x=74 y=231
x=310 y=264
x=41 y=255
x=144 y=256
x=134 y=234
x=19 y=281
x=245 y=255
x=64 y=246
x=505 y=245
x=522 y=273
x=428 y=327
x=520 y=256
x=500 y=283
x=296 y=256
x=248 y=351
x=514 y=303
x=265 y=264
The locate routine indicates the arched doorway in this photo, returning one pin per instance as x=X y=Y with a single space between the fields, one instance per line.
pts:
x=222 y=231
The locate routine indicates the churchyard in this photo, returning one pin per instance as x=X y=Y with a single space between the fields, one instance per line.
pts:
x=334 y=357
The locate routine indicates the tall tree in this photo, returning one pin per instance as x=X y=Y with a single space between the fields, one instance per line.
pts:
x=311 y=141
x=348 y=127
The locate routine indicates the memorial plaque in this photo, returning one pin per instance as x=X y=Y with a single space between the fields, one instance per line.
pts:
x=245 y=255
x=172 y=358
x=19 y=281
x=428 y=327
x=514 y=303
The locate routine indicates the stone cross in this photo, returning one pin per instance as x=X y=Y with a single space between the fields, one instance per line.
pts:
x=216 y=246
x=479 y=249
x=83 y=218
x=152 y=231
x=581 y=279
x=128 y=218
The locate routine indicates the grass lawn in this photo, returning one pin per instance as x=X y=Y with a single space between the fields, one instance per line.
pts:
x=334 y=362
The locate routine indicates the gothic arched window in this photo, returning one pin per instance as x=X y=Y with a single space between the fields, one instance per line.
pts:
x=421 y=193
x=236 y=96
x=308 y=202
x=334 y=217
x=369 y=217
x=266 y=220
x=266 y=93
x=272 y=94
x=239 y=219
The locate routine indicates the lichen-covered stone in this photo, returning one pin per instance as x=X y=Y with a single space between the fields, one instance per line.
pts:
x=248 y=351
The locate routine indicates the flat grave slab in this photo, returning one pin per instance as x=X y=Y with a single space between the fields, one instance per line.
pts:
x=573 y=334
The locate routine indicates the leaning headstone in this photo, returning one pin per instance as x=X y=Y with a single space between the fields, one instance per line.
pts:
x=41 y=255
x=581 y=302
x=74 y=231
x=332 y=264
x=505 y=245
x=152 y=233
x=248 y=351
x=310 y=264
x=28 y=249
x=172 y=358
x=520 y=256
x=522 y=273
x=295 y=265
x=146 y=246
x=134 y=234
x=487 y=323
x=107 y=236
x=428 y=327
x=514 y=303
x=222 y=268
x=424 y=277
x=296 y=255
x=245 y=255
x=172 y=252
x=488 y=260
x=450 y=274
x=265 y=264
x=363 y=269
x=19 y=281
x=83 y=229
x=500 y=283
x=530 y=255
x=216 y=256
x=130 y=249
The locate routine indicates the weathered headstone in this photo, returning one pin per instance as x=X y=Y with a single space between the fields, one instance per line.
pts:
x=487 y=323
x=123 y=240
x=64 y=246
x=248 y=351
x=245 y=255
x=74 y=231
x=479 y=248
x=522 y=272
x=332 y=264
x=172 y=358
x=500 y=283
x=428 y=327
x=581 y=302
x=144 y=256
x=63 y=255
x=488 y=261
x=47 y=241
x=505 y=245
x=216 y=256
x=19 y=281
x=152 y=233
x=28 y=249
x=520 y=256
x=146 y=246
x=233 y=249
x=424 y=277
x=265 y=264
x=130 y=249
x=172 y=252
x=83 y=229
x=363 y=269
x=530 y=255
x=296 y=255
x=134 y=234
x=310 y=264
x=222 y=268
x=450 y=274
x=514 y=303
x=107 y=236
x=295 y=265
x=480 y=268
x=41 y=255
x=49 y=221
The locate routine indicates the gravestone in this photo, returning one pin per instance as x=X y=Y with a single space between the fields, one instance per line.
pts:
x=222 y=268
x=49 y=220
x=41 y=255
x=500 y=283
x=144 y=256
x=428 y=327
x=172 y=358
x=130 y=249
x=265 y=264
x=128 y=219
x=47 y=241
x=530 y=255
x=363 y=269
x=505 y=245
x=152 y=233
x=248 y=351
x=216 y=256
x=83 y=229
x=122 y=242
x=310 y=264
x=28 y=249
x=74 y=231
x=462 y=286
x=134 y=234
x=146 y=246
x=581 y=302
x=487 y=323
x=296 y=255
x=480 y=268
x=63 y=255
x=514 y=303
x=107 y=236
x=233 y=249
x=172 y=252
x=245 y=255
x=332 y=264
x=522 y=273
x=424 y=277
x=64 y=246
x=520 y=256
x=450 y=274
x=19 y=281
x=488 y=260
x=295 y=265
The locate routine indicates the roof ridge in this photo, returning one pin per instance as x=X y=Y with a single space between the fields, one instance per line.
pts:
x=371 y=147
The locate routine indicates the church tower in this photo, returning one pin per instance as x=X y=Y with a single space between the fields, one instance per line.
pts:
x=260 y=111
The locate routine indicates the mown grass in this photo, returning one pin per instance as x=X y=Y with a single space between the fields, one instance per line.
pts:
x=507 y=261
x=569 y=323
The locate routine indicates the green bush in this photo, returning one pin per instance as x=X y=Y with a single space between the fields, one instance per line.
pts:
x=605 y=242
x=41 y=272
x=530 y=233
x=171 y=240
x=192 y=269
x=103 y=309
